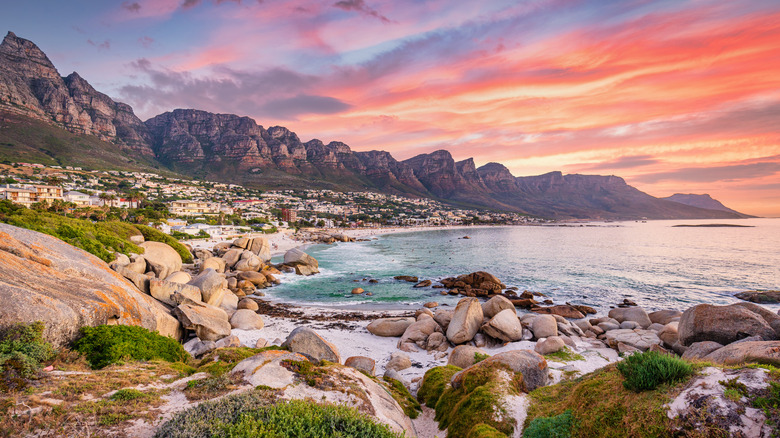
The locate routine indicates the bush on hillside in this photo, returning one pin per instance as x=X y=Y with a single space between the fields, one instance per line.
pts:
x=252 y=414
x=22 y=350
x=645 y=371
x=107 y=344
x=559 y=426
x=434 y=382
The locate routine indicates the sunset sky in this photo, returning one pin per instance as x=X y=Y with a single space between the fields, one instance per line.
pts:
x=674 y=96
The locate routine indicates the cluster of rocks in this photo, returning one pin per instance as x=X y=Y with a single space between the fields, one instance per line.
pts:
x=321 y=236
x=491 y=323
x=215 y=294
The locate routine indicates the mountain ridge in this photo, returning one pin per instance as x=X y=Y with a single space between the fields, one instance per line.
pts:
x=234 y=148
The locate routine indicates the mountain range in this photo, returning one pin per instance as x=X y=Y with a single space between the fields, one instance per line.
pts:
x=236 y=149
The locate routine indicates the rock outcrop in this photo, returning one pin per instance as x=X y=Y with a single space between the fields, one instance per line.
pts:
x=45 y=279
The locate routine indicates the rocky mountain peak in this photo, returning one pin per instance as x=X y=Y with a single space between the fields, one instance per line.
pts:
x=24 y=52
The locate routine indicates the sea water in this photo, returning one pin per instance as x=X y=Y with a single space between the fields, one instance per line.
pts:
x=653 y=263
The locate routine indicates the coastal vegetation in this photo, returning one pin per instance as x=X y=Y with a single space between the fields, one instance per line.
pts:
x=22 y=351
x=102 y=239
x=646 y=371
x=110 y=344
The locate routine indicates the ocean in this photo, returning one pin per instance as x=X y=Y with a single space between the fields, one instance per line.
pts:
x=653 y=263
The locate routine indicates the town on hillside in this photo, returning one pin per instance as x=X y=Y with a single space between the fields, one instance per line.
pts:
x=209 y=209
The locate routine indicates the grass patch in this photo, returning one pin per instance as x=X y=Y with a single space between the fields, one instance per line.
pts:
x=403 y=397
x=564 y=355
x=22 y=350
x=559 y=426
x=479 y=357
x=485 y=431
x=108 y=344
x=223 y=360
x=128 y=395
x=211 y=387
x=434 y=382
x=601 y=406
x=645 y=371
x=300 y=418
x=769 y=402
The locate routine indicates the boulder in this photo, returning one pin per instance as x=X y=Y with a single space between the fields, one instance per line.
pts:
x=249 y=264
x=232 y=257
x=630 y=325
x=357 y=291
x=408 y=278
x=424 y=283
x=549 y=345
x=273 y=369
x=307 y=342
x=195 y=347
x=464 y=356
x=179 y=277
x=362 y=363
x=248 y=303
x=607 y=326
x=210 y=282
x=228 y=342
x=636 y=314
x=215 y=263
x=699 y=350
x=770 y=317
x=764 y=352
x=504 y=326
x=563 y=310
x=304 y=264
x=443 y=317
x=256 y=278
x=398 y=362
x=229 y=303
x=246 y=319
x=137 y=238
x=45 y=279
x=437 y=342
x=721 y=324
x=669 y=334
x=491 y=307
x=140 y=281
x=389 y=327
x=241 y=242
x=664 y=317
x=416 y=335
x=261 y=248
x=544 y=326
x=202 y=254
x=138 y=264
x=161 y=258
x=530 y=364
x=639 y=339
x=466 y=321
x=209 y=323
x=165 y=291
x=760 y=296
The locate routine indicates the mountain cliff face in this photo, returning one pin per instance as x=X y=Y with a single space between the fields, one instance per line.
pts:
x=236 y=149
x=31 y=86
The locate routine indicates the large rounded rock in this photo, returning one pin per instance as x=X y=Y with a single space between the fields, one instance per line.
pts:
x=770 y=317
x=562 y=310
x=699 y=350
x=246 y=319
x=307 y=342
x=171 y=293
x=416 y=335
x=638 y=339
x=304 y=264
x=389 y=327
x=549 y=345
x=766 y=352
x=179 y=277
x=45 y=279
x=362 y=363
x=464 y=356
x=466 y=321
x=636 y=314
x=544 y=326
x=721 y=324
x=209 y=323
x=216 y=263
x=530 y=364
x=210 y=282
x=504 y=326
x=256 y=278
x=398 y=362
x=664 y=317
x=261 y=248
x=161 y=258
x=496 y=304
x=443 y=317
x=232 y=256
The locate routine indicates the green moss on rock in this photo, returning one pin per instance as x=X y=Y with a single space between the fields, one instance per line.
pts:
x=434 y=383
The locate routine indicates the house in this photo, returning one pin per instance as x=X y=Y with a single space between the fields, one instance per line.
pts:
x=30 y=194
x=192 y=208
x=78 y=198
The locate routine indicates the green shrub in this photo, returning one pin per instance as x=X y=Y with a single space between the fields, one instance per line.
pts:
x=559 y=426
x=479 y=357
x=253 y=414
x=403 y=397
x=155 y=235
x=128 y=395
x=22 y=349
x=645 y=371
x=433 y=384
x=107 y=344
x=483 y=430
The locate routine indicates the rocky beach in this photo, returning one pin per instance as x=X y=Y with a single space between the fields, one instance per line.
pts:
x=525 y=341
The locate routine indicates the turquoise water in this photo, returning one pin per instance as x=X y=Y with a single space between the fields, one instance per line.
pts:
x=598 y=264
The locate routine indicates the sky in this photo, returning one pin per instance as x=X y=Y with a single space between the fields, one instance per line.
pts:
x=679 y=96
